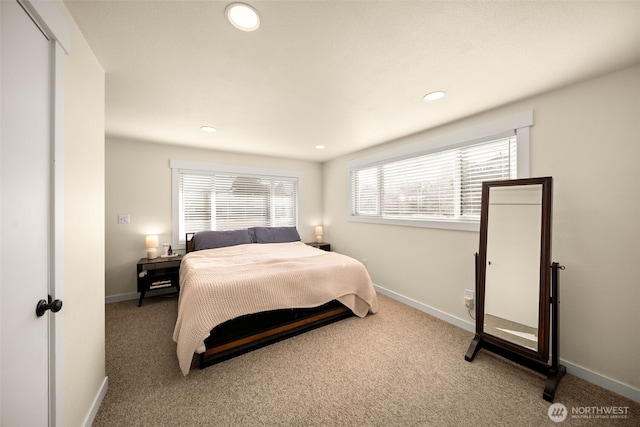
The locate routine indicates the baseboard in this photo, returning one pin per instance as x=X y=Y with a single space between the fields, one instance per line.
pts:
x=121 y=297
x=96 y=403
x=600 y=380
x=603 y=381
x=461 y=323
x=136 y=295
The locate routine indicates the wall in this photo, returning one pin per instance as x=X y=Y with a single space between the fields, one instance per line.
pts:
x=587 y=136
x=84 y=339
x=138 y=183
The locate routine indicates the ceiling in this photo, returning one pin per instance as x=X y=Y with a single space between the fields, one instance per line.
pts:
x=343 y=74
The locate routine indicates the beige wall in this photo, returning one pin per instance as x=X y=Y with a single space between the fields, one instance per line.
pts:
x=138 y=183
x=84 y=345
x=587 y=136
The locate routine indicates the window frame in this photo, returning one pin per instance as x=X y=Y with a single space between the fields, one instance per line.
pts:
x=180 y=166
x=519 y=124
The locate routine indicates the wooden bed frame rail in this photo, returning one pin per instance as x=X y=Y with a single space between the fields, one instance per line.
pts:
x=273 y=330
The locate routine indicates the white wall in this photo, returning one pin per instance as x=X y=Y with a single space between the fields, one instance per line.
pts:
x=587 y=136
x=138 y=183
x=84 y=344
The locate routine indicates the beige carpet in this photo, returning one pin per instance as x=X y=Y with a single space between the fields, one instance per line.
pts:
x=400 y=367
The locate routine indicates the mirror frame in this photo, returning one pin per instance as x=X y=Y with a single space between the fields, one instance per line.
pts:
x=542 y=354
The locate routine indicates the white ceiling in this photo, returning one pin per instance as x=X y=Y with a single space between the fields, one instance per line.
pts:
x=345 y=74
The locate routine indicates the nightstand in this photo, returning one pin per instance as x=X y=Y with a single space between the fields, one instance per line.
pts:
x=158 y=273
x=321 y=245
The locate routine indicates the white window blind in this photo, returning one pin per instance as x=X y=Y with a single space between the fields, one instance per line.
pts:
x=226 y=201
x=439 y=186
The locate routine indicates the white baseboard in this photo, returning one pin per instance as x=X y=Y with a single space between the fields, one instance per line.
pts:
x=600 y=380
x=121 y=297
x=461 y=323
x=97 y=401
x=136 y=295
x=603 y=381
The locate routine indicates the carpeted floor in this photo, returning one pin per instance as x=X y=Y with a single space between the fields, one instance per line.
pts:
x=400 y=367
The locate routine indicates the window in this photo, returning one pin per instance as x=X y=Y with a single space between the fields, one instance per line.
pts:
x=218 y=197
x=438 y=187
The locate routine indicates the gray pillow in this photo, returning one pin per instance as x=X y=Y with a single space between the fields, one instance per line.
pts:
x=220 y=239
x=275 y=234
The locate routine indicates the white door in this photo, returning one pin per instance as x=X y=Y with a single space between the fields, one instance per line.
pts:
x=25 y=207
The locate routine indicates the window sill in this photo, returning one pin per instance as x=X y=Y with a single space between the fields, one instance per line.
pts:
x=443 y=225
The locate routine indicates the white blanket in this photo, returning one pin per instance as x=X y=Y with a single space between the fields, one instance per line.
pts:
x=217 y=285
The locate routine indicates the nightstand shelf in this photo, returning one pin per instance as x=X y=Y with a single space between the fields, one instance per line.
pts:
x=321 y=245
x=158 y=273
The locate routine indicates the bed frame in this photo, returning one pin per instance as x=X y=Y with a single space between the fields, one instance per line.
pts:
x=246 y=333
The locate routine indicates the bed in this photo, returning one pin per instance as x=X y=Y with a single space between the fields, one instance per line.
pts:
x=244 y=289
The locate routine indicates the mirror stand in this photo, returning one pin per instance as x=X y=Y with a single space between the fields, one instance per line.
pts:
x=554 y=371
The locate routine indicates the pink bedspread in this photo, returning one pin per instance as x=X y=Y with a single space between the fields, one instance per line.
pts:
x=217 y=285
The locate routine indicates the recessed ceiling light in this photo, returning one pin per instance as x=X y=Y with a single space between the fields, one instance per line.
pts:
x=208 y=128
x=243 y=17
x=320 y=147
x=432 y=96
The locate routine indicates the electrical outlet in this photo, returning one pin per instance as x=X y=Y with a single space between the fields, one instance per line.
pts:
x=469 y=298
x=124 y=219
x=468 y=303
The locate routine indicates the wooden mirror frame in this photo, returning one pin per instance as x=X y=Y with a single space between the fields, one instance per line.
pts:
x=548 y=302
x=542 y=353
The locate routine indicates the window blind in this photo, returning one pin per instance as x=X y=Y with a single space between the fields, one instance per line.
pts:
x=444 y=185
x=221 y=201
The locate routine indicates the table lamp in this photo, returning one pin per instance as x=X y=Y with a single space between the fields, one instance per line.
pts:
x=151 y=242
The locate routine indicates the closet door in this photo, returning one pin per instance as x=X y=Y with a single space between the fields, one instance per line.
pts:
x=25 y=216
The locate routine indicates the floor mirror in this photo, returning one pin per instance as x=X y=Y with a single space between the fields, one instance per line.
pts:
x=516 y=282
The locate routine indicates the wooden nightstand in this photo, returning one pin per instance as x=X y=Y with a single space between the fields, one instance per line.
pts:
x=158 y=273
x=322 y=245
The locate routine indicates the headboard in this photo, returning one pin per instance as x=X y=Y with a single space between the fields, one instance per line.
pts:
x=189 y=242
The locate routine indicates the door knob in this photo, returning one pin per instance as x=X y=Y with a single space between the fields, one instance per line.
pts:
x=42 y=306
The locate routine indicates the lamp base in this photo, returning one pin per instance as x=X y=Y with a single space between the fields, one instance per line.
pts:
x=152 y=253
x=318 y=239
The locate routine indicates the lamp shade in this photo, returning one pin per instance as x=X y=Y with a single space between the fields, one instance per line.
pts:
x=151 y=242
x=318 y=233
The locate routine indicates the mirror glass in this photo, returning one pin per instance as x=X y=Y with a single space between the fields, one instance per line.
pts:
x=512 y=264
